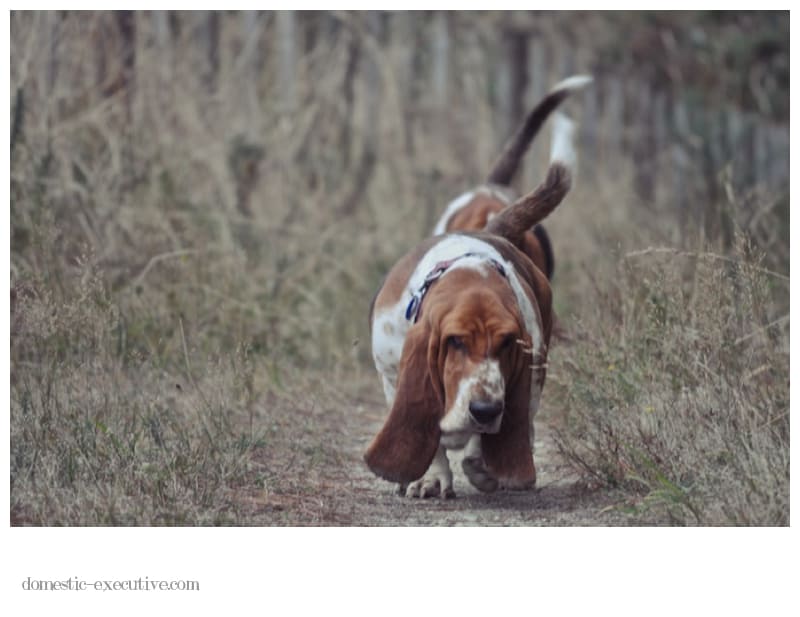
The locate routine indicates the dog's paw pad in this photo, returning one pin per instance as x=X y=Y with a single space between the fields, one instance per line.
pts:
x=478 y=475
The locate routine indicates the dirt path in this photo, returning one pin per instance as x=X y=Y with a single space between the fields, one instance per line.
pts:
x=559 y=499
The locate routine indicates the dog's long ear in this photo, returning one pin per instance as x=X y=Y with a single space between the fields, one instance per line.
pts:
x=404 y=448
x=507 y=454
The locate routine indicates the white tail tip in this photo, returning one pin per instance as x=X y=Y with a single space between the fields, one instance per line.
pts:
x=562 y=149
x=576 y=82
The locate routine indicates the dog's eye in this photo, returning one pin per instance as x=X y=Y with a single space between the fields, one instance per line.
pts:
x=455 y=342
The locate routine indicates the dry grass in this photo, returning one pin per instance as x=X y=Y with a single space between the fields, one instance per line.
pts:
x=163 y=340
x=677 y=389
x=191 y=278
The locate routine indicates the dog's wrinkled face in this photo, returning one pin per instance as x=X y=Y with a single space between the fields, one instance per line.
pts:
x=479 y=336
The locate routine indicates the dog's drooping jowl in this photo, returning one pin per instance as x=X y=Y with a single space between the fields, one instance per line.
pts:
x=460 y=331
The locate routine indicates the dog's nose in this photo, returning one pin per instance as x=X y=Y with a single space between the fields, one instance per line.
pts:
x=485 y=412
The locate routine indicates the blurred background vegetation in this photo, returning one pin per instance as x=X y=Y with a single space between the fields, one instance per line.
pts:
x=203 y=203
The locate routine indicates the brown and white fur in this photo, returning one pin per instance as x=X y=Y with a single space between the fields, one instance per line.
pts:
x=472 y=210
x=464 y=365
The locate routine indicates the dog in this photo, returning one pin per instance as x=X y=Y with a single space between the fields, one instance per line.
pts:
x=460 y=330
x=472 y=210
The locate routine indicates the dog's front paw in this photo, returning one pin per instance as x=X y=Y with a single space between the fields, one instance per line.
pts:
x=429 y=487
x=437 y=481
x=477 y=474
x=432 y=485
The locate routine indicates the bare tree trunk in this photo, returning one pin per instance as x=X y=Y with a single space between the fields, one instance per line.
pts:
x=165 y=55
x=537 y=82
x=210 y=35
x=249 y=58
x=372 y=95
x=501 y=76
x=659 y=142
x=348 y=94
x=748 y=173
x=722 y=155
x=778 y=163
x=681 y=166
x=52 y=27
x=760 y=157
x=712 y=155
x=287 y=59
x=613 y=152
x=517 y=49
x=403 y=49
x=441 y=60
x=734 y=129
x=162 y=35
x=643 y=148
x=538 y=60
x=249 y=63
x=126 y=23
x=514 y=62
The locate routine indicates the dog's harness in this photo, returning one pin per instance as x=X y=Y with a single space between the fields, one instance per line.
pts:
x=413 y=309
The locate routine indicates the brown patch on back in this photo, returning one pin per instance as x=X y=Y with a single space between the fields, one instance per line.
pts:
x=475 y=215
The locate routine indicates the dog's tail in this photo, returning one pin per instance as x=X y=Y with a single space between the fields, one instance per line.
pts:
x=514 y=221
x=508 y=162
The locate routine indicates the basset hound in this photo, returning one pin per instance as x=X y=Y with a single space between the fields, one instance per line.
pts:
x=472 y=210
x=460 y=330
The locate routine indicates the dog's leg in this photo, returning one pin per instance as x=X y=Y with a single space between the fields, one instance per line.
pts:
x=474 y=467
x=437 y=481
